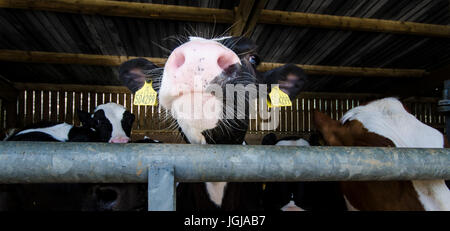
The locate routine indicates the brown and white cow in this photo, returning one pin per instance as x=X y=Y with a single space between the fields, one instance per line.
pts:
x=386 y=123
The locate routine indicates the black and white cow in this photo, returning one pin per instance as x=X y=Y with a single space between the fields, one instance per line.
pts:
x=110 y=122
x=184 y=87
x=300 y=196
x=58 y=132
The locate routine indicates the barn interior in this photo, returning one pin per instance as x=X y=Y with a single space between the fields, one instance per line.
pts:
x=57 y=56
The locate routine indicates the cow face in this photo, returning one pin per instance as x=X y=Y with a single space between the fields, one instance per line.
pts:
x=193 y=86
x=111 y=121
x=351 y=133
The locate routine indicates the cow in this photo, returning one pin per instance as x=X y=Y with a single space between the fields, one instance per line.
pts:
x=300 y=196
x=109 y=122
x=386 y=123
x=184 y=88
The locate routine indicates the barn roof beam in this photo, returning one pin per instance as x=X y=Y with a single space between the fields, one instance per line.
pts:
x=353 y=23
x=111 y=60
x=125 y=9
x=198 y=14
x=246 y=17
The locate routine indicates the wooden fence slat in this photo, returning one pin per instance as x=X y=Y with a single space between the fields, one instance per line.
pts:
x=122 y=100
x=134 y=109
x=21 y=115
x=307 y=114
x=85 y=101
x=282 y=125
x=37 y=107
x=69 y=110
x=46 y=106
x=294 y=116
x=301 y=115
x=54 y=106
x=29 y=107
x=92 y=101
x=328 y=107
x=333 y=109
x=77 y=106
x=141 y=117
x=62 y=106
x=148 y=118
x=107 y=98
x=99 y=99
x=114 y=98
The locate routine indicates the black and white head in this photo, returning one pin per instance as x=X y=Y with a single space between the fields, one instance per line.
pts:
x=193 y=86
x=111 y=121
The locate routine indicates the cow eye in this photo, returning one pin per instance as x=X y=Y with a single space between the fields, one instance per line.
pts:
x=254 y=60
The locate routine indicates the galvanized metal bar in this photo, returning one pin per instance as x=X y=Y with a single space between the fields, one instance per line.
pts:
x=161 y=188
x=40 y=162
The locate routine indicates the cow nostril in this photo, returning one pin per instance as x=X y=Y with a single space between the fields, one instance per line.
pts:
x=179 y=59
x=107 y=195
x=225 y=60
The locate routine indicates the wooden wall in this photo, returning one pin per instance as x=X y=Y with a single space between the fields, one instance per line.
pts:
x=60 y=106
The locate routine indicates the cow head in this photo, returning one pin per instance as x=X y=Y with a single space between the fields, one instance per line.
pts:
x=111 y=122
x=193 y=86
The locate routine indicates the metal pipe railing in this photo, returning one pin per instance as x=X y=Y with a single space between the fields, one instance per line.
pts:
x=41 y=162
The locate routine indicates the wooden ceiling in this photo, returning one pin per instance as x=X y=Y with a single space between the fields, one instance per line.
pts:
x=365 y=46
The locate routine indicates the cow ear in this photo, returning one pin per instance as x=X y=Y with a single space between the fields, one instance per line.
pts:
x=129 y=117
x=133 y=73
x=291 y=78
x=84 y=117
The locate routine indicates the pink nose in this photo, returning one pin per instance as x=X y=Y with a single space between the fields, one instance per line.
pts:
x=119 y=140
x=207 y=56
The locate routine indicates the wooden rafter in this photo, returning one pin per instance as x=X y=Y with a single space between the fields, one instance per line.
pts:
x=198 y=14
x=110 y=60
x=125 y=9
x=353 y=23
x=242 y=14
x=246 y=17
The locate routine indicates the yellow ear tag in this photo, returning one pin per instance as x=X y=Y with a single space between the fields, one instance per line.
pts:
x=146 y=96
x=278 y=98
